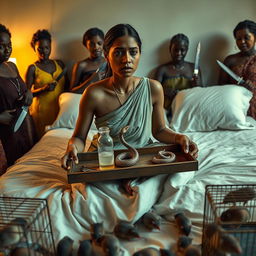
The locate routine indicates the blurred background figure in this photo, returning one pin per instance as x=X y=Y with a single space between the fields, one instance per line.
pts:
x=83 y=72
x=177 y=74
x=243 y=63
x=40 y=79
x=13 y=96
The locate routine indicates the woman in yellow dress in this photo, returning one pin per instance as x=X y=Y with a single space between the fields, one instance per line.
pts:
x=40 y=78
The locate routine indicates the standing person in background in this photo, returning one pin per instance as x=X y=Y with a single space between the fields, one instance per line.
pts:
x=243 y=63
x=83 y=72
x=40 y=78
x=13 y=95
x=177 y=74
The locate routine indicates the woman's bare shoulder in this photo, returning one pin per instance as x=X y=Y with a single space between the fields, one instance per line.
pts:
x=231 y=60
x=97 y=87
x=83 y=64
x=155 y=85
x=163 y=67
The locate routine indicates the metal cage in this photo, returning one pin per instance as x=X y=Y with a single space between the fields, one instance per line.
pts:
x=231 y=209
x=25 y=227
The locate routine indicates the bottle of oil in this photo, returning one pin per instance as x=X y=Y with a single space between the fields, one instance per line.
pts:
x=105 y=149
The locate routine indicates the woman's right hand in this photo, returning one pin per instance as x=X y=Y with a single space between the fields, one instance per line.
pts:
x=7 y=116
x=195 y=80
x=50 y=87
x=70 y=155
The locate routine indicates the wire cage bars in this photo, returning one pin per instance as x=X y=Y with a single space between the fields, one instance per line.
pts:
x=229 y=226
x=25 y=227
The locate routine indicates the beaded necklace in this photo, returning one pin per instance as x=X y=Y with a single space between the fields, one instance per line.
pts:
x=15 y=81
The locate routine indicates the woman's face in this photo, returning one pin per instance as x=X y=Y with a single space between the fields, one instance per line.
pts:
x=245 y=40
x=95 y=46
x=5 y=47
x=124 y=56
x=178 y=51
x=43 y=49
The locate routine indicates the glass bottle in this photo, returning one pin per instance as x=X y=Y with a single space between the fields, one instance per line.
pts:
x=105 y=149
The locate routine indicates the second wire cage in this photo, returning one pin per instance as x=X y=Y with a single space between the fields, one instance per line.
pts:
x=229 y=226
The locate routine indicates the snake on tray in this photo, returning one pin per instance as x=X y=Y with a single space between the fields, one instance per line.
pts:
x=128 y=158
x=164 y=157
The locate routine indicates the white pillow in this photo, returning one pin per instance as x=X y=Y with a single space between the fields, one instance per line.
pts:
x=68 y=113
x=211 y=108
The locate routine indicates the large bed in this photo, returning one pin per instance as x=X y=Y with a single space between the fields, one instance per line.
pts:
x=226 y=156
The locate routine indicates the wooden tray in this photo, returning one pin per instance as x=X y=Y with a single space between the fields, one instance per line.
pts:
x=145 y=167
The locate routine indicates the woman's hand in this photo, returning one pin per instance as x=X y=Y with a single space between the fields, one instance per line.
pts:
x=195 y=80
x=27 y=98
x=187 y=145
x=50 y=87
x=70 y=155
x=6 y=116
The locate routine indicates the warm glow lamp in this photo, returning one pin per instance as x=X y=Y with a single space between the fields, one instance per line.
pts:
x=13 y=60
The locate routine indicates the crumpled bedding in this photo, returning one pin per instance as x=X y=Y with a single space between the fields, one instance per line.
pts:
x=226 y=157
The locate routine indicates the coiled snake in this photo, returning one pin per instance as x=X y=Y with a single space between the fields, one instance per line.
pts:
x=129 y=158
x=164 y=157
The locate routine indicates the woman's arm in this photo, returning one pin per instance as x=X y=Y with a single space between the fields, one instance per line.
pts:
x=159 y=74
x=159 y=129
x=76 y=75
x=6 y=117
x=86 y=112
x=66 y=85
x=30 y=79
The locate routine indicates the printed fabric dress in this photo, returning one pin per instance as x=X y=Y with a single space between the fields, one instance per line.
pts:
x=248 y=72
x=45 y=107
x=14 y=144
x=171 y=86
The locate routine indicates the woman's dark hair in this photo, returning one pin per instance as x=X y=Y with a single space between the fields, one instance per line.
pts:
x=4 y=29
x=119 y=31
x=90 y=33
x=246 y=24
x=179 y=38
x=39 y=35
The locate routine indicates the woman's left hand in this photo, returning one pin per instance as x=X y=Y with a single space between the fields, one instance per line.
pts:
x=27 y=98
x=187 y=145
x=195 y=80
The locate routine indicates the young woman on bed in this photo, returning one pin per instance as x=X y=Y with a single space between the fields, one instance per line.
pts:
x=40 y=78
x=243 y=63
x=13 y=95
x=177 y=74
x=84 y=70
x=124 y=99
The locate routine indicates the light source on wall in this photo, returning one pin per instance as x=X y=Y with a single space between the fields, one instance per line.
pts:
x=13 y=60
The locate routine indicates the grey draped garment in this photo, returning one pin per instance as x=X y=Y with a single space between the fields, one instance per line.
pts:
x=135 y=112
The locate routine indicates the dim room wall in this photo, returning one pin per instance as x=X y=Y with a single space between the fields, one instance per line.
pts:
x=210 y=22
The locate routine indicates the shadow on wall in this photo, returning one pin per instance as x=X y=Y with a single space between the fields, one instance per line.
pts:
x=214 y=47
x=71 y=52
x=162 y=56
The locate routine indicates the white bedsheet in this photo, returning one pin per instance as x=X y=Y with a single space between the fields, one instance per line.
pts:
x=226 y=157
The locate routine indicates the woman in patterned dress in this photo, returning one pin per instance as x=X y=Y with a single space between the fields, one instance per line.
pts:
x=243 y=63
